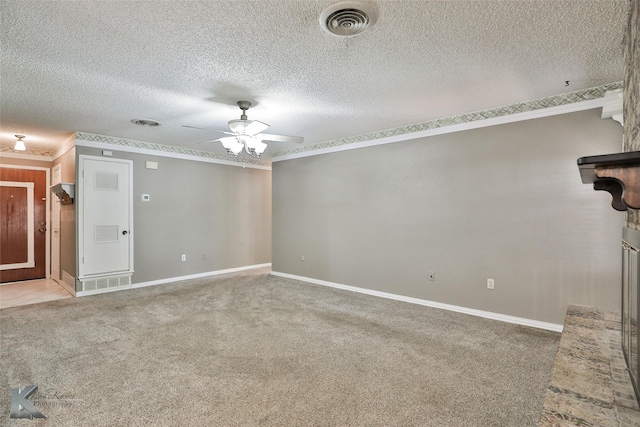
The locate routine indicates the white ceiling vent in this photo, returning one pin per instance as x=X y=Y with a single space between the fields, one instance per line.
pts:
x=348 y=18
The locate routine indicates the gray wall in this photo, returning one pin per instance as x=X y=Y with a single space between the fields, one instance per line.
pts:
x=504 y=202
x=218 y=215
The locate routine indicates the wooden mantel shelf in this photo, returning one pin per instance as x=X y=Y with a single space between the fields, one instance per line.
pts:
x=619 y=174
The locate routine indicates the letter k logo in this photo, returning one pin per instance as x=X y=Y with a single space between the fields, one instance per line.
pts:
x=21 y=407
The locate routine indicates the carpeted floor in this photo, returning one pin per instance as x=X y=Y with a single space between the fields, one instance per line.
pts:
x=255 y=349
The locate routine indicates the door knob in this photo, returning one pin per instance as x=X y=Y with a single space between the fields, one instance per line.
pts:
x=124 y=232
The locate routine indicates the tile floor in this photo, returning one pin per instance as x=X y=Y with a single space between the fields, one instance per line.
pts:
x=31 y=292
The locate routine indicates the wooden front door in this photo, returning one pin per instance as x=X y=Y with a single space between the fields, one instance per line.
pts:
x=23 y=232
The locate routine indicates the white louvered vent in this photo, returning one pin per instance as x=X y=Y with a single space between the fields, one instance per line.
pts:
x=102 y=284
x=348 y=18
x=106 y=181
x=106 y=234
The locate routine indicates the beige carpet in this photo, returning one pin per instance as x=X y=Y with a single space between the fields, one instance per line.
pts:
x=255 y=349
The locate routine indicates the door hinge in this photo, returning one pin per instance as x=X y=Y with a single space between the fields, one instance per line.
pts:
x=83 y=260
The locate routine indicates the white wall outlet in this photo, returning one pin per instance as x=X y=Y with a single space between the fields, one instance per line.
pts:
x=302 y=258
x=432 y=276
x=184 y=257
x=145 y=197
x=490 y=284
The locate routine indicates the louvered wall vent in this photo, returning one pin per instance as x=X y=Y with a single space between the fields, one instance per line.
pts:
x=348 y=18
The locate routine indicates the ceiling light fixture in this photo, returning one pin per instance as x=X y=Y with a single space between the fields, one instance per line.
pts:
x=19 y=143
x=348 y=18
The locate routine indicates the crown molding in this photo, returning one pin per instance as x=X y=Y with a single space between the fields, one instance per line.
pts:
x=84 y=139
x=29 y=154
x=66 y=146
x=559 y=104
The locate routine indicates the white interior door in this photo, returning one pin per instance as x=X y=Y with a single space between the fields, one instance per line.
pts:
x=56 y=178
x=106 y=213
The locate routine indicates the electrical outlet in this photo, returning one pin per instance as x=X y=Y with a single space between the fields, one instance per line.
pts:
x=490 y=284
x=302 y=258
x=432 y=276
x=204 y=257
x=184 y=257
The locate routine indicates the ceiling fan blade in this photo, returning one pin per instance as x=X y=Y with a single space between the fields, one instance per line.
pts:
x=208 y=130
x=224 y=139
x=281 y=138
x=255 y=127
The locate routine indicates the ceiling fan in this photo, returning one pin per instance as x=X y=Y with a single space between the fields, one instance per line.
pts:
x=248 y=136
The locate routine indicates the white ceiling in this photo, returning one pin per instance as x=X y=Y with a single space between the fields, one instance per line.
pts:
x=93 y=66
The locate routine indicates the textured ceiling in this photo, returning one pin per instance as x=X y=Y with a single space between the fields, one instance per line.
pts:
x=93 y=66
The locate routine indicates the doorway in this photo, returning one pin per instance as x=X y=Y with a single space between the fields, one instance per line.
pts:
x=24 y=234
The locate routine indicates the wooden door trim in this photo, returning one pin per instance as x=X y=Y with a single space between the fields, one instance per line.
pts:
x=47 y=171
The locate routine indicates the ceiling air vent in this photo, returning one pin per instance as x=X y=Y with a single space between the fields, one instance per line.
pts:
x=348 y=18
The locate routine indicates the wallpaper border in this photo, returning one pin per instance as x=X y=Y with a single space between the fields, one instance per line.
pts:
x=170 y=149
x=508 y=110
x=5 y=149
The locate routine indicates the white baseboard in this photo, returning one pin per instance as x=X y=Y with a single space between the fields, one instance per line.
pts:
x=197 y=276
x=480 y=313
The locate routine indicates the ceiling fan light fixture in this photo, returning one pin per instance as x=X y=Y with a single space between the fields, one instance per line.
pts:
x=239 y=125
x=260 y=147
x=20 y=143
x=252 y=144
x=256 y=148
x=247 y=135
x=232 y=145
